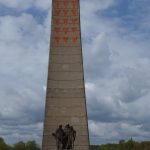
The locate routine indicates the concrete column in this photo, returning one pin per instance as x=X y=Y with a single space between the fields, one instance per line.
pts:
x=65 y=98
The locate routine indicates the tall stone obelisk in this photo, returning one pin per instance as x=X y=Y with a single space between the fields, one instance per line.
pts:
x=65 y=98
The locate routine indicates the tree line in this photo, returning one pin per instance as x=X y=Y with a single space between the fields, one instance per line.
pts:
x=29 y=145
x=122 y=145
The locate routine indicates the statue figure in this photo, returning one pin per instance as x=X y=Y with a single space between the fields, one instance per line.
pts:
x=65 y=137
x=59 y=134
x=72 y=135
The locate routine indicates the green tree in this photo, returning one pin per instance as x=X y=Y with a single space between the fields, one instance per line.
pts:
x=130 y=144
x=20 y=146
x=31 y=145
x=3 y=145
x=122 y=145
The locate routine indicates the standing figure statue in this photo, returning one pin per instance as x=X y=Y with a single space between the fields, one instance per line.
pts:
x=72 y=136
x=59 y=135
x=65 y=137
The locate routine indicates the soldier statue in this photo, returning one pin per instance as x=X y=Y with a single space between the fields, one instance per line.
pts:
x=65 y=137
x=59 y=135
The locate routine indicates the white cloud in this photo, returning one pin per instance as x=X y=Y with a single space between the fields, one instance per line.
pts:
x=117 y=74
x=43 y=4
x=24 y=5
x=24 y=58
x=114 y=131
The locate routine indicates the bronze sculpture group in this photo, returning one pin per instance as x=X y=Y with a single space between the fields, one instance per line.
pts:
x=65 y=137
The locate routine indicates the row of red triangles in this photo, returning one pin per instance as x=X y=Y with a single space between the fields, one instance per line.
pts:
x=65 y=30
x=65 y=39
x=65 y=11
x=65 y=20
x=65 y=3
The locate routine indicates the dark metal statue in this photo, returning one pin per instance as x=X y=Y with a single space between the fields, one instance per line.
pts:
x=65 y=137
x=59 y=134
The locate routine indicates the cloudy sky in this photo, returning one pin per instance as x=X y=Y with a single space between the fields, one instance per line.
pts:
x=115 y=36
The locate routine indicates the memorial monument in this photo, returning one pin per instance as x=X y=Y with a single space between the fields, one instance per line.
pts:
x=65 y=123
